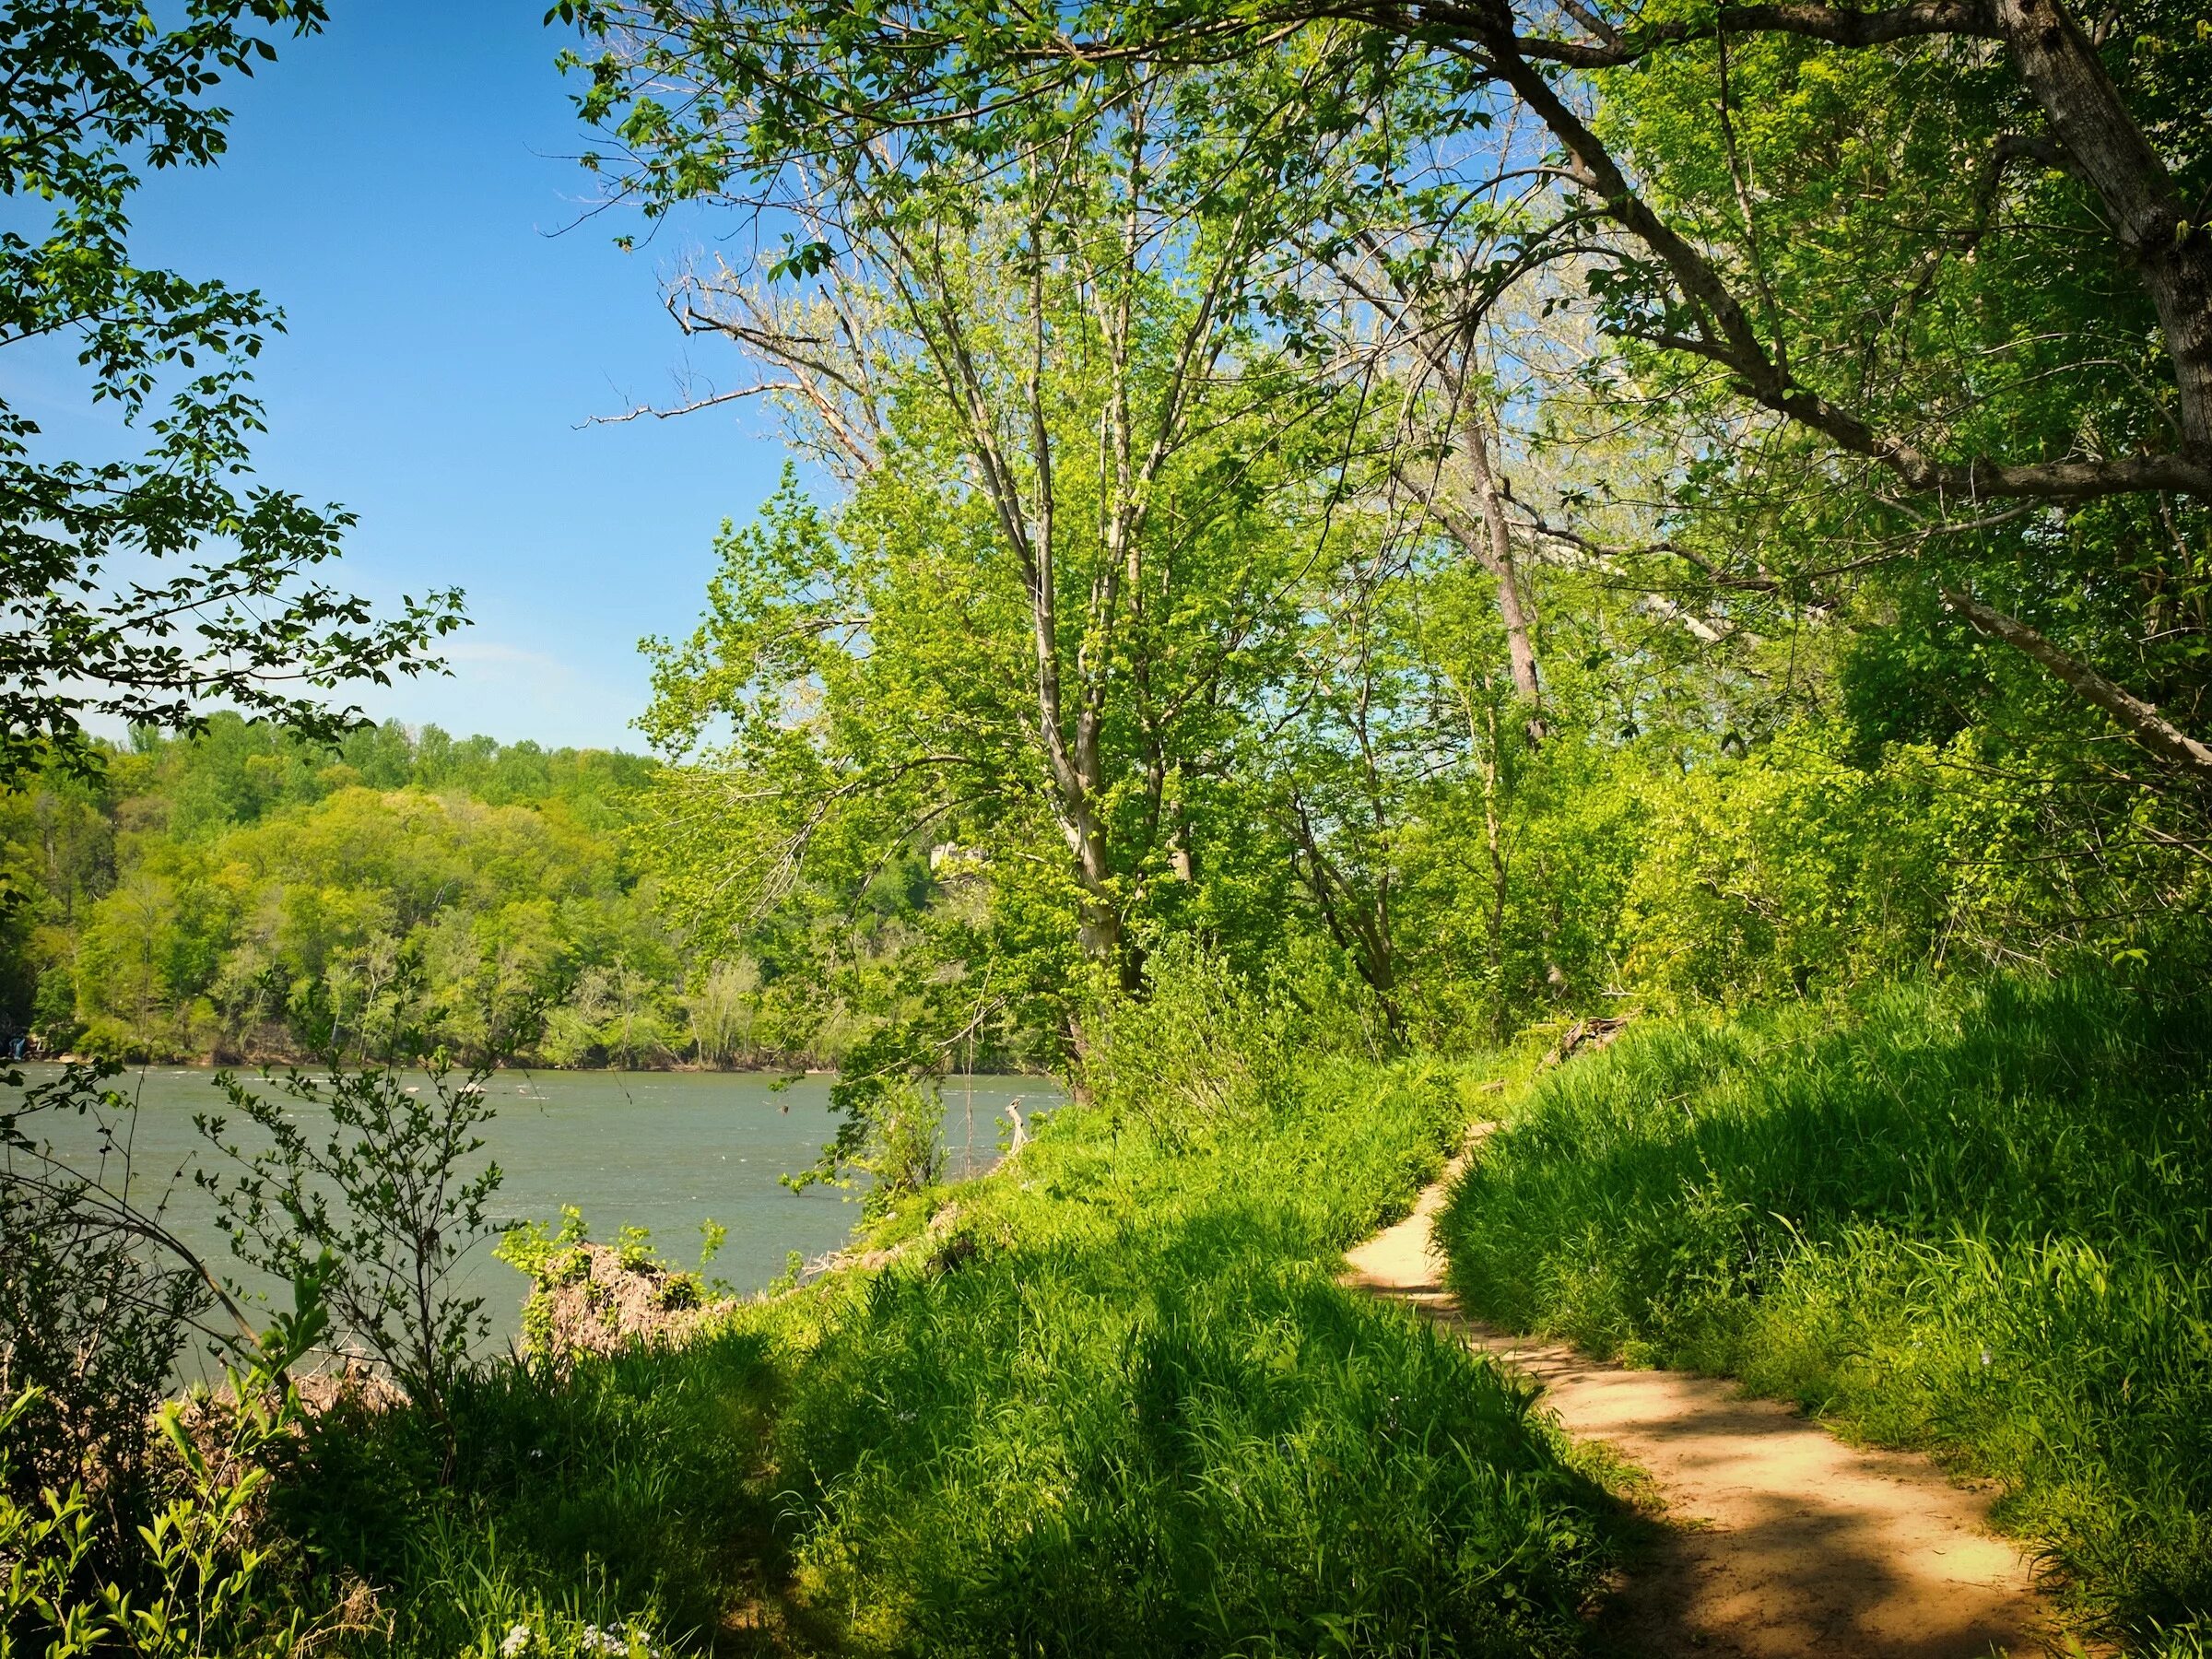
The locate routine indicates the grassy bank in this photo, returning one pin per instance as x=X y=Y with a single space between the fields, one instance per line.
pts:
x=1115 y=1403
x=1976 y=1219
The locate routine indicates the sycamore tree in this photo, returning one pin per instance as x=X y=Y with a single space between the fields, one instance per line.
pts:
x=1080 y=496
x=141 y=589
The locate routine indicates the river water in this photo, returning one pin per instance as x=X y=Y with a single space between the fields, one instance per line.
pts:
x=662 y=1150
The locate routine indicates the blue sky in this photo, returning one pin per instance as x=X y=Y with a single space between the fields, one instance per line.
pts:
x=394 y=184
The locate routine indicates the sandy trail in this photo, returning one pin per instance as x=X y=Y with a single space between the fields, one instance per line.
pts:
x=1779 y=1539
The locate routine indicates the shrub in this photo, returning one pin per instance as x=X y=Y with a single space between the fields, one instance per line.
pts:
x=392 y=1191
x=97 y=1298
x=1200 y=1052
x=203 y=1585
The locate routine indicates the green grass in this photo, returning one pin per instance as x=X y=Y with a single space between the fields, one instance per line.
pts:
x=1972 y=1218
x=1118 y=1406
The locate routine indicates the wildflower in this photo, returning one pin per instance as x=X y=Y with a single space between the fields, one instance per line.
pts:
x=1985 y=1357
x=517 y=1642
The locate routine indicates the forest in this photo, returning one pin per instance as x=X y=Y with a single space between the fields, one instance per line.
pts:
x=1585 y=626
x=224 y=895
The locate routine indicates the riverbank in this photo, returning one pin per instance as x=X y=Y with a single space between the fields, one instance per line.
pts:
x=765 y=1066
x=665 y=1152
x=1113 y=1397
x=1108 y=1400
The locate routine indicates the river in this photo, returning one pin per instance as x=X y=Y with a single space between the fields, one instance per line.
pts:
x=662 y=1150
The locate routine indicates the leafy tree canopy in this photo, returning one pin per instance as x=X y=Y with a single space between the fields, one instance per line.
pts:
x=141 y=589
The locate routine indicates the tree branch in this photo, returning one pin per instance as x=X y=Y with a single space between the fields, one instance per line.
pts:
x=1737 y=345
x=2141 y=719
x=1837 y=25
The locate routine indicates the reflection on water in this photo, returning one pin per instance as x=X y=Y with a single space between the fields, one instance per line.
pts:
x=662 y=1150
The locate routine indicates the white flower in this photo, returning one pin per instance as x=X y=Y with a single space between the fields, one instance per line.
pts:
x=517 y=1642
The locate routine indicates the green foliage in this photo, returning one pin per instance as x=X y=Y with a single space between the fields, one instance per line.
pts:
x=205 y=1583
x=1118 y=1405
x=1203 y=1054
x=100 y=90
x=615 y=1492
x=554 y=1257
x=1671 y=875
x=1122 y=695
x=888 y=1104
x=548 y=1260
x=1796 y=868
x=45 y=1543
x=386 y=1191
x=1136 y=1414
x=1002 y=647
x=1971 y=1218
x=1771 y=436
x=97 y=1297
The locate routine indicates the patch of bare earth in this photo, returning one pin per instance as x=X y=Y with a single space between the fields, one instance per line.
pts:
x=1778 y=1539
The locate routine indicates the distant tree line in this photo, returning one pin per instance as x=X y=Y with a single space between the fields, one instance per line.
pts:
x=246 y=895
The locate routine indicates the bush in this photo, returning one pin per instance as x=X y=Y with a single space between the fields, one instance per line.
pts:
x=389 y=1190
x=97 y=1299
x=614 y=1493
x=109 y=1040
x=53 y=1023
x=1809 y=867
x=204 y=1584
x=1202 y=1050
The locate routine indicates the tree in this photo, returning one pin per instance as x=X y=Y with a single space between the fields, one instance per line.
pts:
x=1944 y=267
x=99 y=620
x=1083 y=496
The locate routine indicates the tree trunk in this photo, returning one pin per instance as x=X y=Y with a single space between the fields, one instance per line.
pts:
x=1490 y=546
x=2146 y=214
x=1496 y=552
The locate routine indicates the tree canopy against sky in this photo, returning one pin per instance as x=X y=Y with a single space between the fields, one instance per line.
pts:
x=142 y=590
x=1082 y=498
x=1949 y=263
x=1666 y=383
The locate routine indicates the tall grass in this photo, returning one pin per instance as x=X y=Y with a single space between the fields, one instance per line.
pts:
x=1114 y=1403
x=1976 y=1218
x=620 y=1493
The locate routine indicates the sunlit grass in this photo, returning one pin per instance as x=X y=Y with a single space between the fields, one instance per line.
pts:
x=1973 y=1217
x=1120 y=1405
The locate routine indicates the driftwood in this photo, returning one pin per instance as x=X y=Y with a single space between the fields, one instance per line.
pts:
x=602 y=1305
x=1586 y=1034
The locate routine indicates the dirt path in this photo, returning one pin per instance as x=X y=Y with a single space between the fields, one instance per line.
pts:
x=1779 y=1539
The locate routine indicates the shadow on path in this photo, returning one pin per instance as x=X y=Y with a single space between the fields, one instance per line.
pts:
x=1779 y=1540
